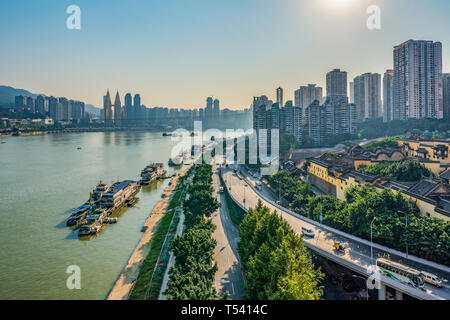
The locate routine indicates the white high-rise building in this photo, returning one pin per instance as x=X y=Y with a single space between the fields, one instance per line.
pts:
x=367 y=91
x=418 y=80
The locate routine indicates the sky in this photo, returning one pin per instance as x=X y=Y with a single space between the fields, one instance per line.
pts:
x=175 y=53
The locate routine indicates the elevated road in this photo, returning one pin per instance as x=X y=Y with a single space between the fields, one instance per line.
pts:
x=357 y=253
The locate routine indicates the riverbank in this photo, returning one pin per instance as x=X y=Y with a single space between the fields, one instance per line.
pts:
x=130 y=273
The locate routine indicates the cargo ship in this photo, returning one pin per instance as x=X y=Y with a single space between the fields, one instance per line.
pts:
x=152 y=172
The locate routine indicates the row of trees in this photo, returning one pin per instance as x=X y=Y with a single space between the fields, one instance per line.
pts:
x=276 y=263
x=390 y=142
x=192 y=277
x=375 y=128
x=426 y=237
x=406 y=170
x=291 y=189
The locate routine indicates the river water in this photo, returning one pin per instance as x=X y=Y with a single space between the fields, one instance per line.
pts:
x=41 y=178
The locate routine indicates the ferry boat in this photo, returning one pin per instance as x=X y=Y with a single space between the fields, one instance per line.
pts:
x=89 y=229
x=98 y=215
x=176 y=161
x=152 y=172
x=118 y=194
x=99 y=190
x=78 y=215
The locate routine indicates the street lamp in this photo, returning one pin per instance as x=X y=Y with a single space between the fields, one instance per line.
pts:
x=371 y=243
x=244 y=191
x=406 y=215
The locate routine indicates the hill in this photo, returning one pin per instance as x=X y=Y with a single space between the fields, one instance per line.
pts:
x=8 y=94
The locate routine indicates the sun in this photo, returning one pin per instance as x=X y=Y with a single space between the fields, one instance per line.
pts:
x=338 y=3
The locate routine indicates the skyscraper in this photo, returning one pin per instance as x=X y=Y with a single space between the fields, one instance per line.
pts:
x=128 y=109
x=41 y=105
x=64 y=105
x=117 y=110
x=280 y=96
x=368 y=96
x=352 y=92
x=446 y=94
x=107 y=106
x=388 y=96
x=417 y=80
x=209 y=108
x=137 y=101
x=216 y=108
x=337 y=83
x=306 y=95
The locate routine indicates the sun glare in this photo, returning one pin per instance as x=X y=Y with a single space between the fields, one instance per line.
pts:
x=338 y=3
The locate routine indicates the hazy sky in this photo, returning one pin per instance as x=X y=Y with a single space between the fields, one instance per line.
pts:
x=175 y=53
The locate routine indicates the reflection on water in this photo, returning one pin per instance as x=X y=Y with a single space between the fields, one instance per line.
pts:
x=42 y=179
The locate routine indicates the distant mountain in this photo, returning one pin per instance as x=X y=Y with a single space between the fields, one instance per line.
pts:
x=92 y=109
x=8 y=94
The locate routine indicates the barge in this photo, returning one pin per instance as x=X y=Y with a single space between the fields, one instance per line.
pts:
x=152 y=172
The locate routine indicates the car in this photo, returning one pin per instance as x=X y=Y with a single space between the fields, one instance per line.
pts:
x=278 y=202
x=308 y=232
x=432 y=279
x=258 y=187
x=221 y=190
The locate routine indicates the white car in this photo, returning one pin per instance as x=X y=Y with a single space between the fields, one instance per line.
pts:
x=432 y=279
x=308 y=232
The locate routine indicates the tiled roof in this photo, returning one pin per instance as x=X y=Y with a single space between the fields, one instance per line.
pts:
x=423 y=187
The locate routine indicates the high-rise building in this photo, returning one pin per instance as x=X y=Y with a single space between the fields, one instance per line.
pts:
x=20 y=101
x=65 y=109
x=262 y=120
x=128 y=109
x=137 y=101
x=367 y=91
x=306 y=95
x=335 y=117
x=417 y=80
x=209 y=108
x=78 y=108
x=216 y=107
x=41 y=105
x=337 y=83
x=30 y=103
x=55 y=109
x=352 y=92
x=291 y=120
x=446 y=94
x=117 y=110
x=388 y=96
x=280 y=97
x=107 y=109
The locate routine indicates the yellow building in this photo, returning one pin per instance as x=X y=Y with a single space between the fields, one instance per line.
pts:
x=436 y=150
x=428 y=196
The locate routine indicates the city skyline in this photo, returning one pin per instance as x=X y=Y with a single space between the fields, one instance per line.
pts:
x=215 y=62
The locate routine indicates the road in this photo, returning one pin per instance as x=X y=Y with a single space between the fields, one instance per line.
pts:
x=229 y=275
x=356 y=252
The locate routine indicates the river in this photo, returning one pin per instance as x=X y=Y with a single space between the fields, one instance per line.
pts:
x=41 y=178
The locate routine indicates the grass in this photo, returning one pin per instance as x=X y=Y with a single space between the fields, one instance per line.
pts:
x=236 y=213
x=143 y=289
